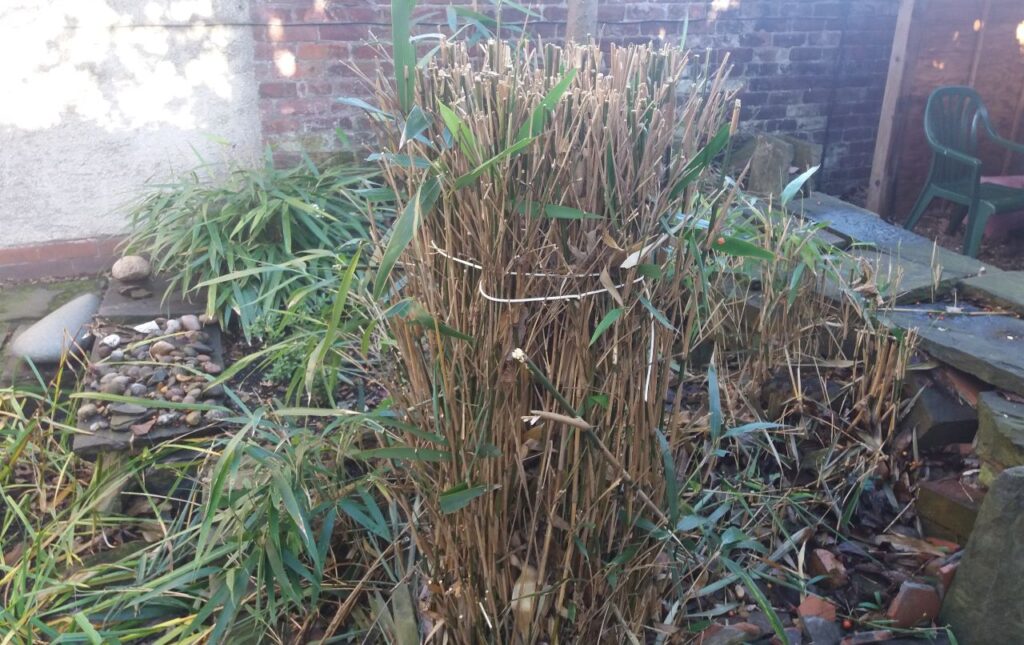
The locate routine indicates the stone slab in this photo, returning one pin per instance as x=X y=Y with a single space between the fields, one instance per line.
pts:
x=866 y=228
x=989 y=347
x=1000 y=435
x=32 y=301
x=897 y=278
x=937 y=416
x=89 y=443
x=1001 y=288
x=122 y=308
x=984 y=604
x=948 y=509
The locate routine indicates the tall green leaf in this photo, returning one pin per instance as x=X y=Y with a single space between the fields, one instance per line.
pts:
x=404 y=52
x=404 y=229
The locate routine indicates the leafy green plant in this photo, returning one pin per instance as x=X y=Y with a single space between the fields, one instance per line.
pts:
x=327 y=334
x=254 y=535
x=243 y=223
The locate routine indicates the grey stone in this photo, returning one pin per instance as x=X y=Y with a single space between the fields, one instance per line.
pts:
x=989 y=347
x=896 y=278
x=1000 y=288
x=938 y=418
x=984 y=604
x=769 y=159
x=191 y=322
x=48 y=340
x=164 y=302
x=129 y=409
x=116 y=385
x=820 y=631
x=86 y=410
x=863 y=226
x=157 y=377
x=161 y=348
x=137 y=389
x=131 y=268
x=727 y=635
x=1000 y=435
x=173 y=326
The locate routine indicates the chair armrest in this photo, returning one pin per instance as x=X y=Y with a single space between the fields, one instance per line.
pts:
x=1009 y=145
x=957 y=156
x=992 y=134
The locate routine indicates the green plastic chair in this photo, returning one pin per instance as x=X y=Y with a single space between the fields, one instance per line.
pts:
x=951 y=120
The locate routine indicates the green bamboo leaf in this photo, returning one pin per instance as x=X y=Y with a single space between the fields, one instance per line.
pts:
x=403 y=52
x=415 y=124
x=759 y=598
x=363 y=105
x=90 y=631
x=298 y=515
x=537 y=119
x=606 y=322
x=460 y=496
x=402 y=452
x=471 y=176
x=714 y=402
x=656 y=313
x=747 y=428
x=404 y=229
x=461 y=133
x=400 y=160
x=554 y=211
x=741 y=248
x=671 y=484
x=793 y=187
x=702 y=160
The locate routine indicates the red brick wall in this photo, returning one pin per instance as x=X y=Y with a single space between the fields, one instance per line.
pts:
x=811 y=67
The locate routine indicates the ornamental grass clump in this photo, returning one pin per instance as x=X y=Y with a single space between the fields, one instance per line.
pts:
x=581 y=352
x=548 y=257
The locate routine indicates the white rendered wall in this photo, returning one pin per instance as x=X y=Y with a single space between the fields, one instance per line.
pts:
x=99 y=96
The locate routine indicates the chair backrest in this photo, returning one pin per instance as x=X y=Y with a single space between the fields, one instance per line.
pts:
x=951 y=120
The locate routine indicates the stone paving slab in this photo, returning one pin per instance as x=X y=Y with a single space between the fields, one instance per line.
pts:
x=989 y=347
x=897 y=278
x=89 y=443
x=118 y=306
x=1000 y=435
x=864 y=227
x=948 y=509
x=1000 y=288
x=32 y=301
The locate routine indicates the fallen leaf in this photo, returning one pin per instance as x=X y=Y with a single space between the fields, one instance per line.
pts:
x=140 y=429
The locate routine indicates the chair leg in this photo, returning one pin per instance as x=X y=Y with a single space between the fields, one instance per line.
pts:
x=919 y=208
x=976 y=221
x=956 y=217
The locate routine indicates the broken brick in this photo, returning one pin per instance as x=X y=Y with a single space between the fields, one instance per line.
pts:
x=915 y=603
x=824 y=563
x=815 y=606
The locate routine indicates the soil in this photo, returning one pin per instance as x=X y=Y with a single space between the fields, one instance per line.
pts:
x=1005 y=252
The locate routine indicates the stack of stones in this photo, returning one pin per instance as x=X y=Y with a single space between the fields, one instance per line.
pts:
x=160 y=360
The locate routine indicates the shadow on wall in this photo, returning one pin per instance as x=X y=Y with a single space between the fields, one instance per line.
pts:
x=102 y=95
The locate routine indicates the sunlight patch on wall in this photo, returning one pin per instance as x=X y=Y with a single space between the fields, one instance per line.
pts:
x=718 y=6
x=119 y=70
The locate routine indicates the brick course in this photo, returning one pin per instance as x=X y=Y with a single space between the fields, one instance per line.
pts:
x=816 y=68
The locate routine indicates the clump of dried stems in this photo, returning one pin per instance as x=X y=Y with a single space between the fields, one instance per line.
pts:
x=587 y=322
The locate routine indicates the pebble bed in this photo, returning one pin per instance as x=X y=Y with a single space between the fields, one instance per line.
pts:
x=160 y=360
